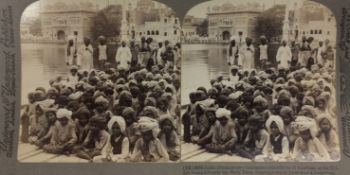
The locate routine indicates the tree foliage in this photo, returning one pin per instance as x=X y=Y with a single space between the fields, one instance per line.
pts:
x=202 y=29
x=35 y=28
x=107 y=22
x=270 y=22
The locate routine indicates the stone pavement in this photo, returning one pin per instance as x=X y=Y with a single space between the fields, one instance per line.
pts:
x=193 y=153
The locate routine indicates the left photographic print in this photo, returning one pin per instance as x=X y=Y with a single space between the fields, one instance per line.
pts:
x=100 y=82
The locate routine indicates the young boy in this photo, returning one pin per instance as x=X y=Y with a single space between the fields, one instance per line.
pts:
x=286 y=114
x=224 y=136
x=198 y=121
x=46 y=136
x=37 y=123
x=169 y=138
x=117 y=148
x=186 y=118
x=256 y=138
x=277 y=146
x=131 y=130
x=73 y=77
x=96 y=139
x=25 y=117
x=242 y=115
x=328 y=135
x=63 y=136
x=205 y=137
x=82 y=128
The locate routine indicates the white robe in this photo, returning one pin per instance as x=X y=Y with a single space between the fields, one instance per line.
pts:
x=102 y=51
x=85 y=60
x=263 y=52
x=284 y=55
x=124 y=57
x=247 y=57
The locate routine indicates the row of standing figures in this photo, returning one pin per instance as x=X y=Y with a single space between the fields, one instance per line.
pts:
x=127 y=56
x=296 y=54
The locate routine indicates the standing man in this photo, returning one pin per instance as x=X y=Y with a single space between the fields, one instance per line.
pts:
x=284 y=56
x=102 y=52
x=232 y=57
x=75 y=54
x=134 y=55
x=295 y=53
x=247 y=55
x=318 y=51
x=123 y=56
x=263 y=52
x=157 y=54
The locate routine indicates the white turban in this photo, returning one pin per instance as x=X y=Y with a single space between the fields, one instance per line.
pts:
x=277 y=119
x=235 y=95
x=76 y=95
x=119 y=120
x=233 y=38
x=222 y=112
x=101 y=99
x=146 y=124
x=61 y=113
x=303 y=123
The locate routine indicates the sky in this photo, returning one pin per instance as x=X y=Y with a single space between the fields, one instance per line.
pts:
x=200 y=10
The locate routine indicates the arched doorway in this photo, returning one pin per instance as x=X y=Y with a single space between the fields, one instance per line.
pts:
x=61 y=35
x=226 y=35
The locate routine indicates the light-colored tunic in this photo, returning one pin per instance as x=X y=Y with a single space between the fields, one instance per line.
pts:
x=123 y=56
x=247 y=57
x=231 y=59
x=284 y=55
x=102 y=51
x=263 y=52
x=155 y=149
x=86 y=57
x=313 y=150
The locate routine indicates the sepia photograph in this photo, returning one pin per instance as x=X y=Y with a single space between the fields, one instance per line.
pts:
x=100 y=82
x=258 y=82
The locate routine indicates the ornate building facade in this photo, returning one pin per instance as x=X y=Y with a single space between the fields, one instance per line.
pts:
x=232 y=20
x=154 y=20
x=59 y=20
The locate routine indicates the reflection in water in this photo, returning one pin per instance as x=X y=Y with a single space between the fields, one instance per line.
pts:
x=200 y=64
x=40 y=63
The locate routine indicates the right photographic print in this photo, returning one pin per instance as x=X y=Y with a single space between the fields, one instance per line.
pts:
x=258 y=82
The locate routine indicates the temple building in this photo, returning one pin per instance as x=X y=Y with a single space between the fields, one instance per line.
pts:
x=309 y=19
x=189 y=27
x=59 y=20
x=227 y=20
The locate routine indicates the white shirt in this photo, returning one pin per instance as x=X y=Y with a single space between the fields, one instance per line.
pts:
x=123 y=56
x=284 y=55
